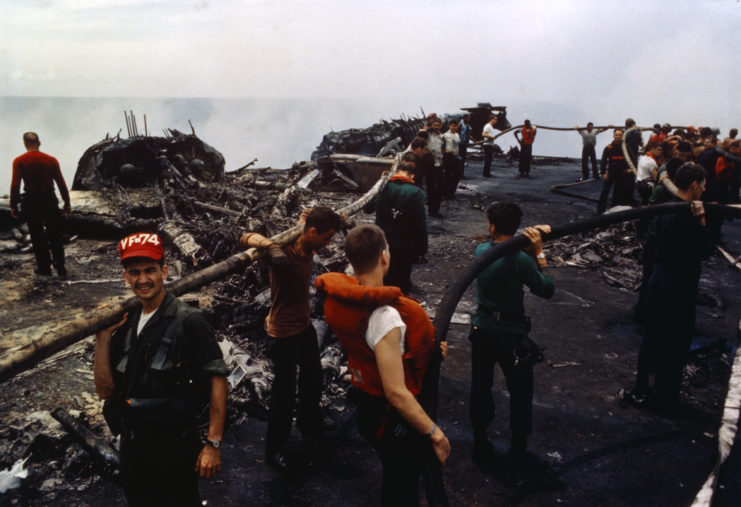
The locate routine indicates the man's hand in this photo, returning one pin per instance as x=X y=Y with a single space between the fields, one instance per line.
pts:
x=698 y=210
x=13 y=213
x=107 y=332
x=440 y=445
x=533 y=234
x=444 y=349
x=304 y=214
x=208 y=462
x=67 y=210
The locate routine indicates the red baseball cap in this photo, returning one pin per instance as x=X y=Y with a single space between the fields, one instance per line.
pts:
x=141 y=244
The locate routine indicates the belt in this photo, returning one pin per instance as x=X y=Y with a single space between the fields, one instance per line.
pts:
x=507 y=316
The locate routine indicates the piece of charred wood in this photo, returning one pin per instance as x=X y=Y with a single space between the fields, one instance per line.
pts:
x=96 y=446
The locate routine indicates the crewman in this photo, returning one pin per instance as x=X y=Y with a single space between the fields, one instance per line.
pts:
x=292 y=335
x=589 y=141
x=615 y=171
x=158 y=372
x=526 y=148
x=39 y=205
x=681 y=243
x=499 y=334
x=389 y=341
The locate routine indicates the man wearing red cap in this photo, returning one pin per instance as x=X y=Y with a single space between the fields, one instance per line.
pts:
x=157 y=373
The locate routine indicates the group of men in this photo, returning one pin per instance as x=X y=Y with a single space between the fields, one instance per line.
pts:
x=162 y=373
x=525 y=136
x=160 y=365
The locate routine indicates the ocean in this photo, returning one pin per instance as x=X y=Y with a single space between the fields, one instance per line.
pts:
x=278 y=132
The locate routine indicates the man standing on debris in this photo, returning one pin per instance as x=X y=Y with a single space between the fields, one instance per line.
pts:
x=489 y=134
x=38 y=203
x=400 y=213
x=526 y=148
x=157 y=373
x=499 y=334
x=435 y=178
x=589 y=141
x=681 y=243
x=293 y=337
x=389 y=341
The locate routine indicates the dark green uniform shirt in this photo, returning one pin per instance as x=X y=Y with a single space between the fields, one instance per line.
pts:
x=499 y=289
x=400 y=212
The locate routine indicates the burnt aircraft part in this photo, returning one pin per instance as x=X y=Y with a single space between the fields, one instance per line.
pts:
x=368 y=141
x=143 y=161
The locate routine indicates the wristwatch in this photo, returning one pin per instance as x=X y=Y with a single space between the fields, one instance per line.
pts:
x=541 y=255
x=216 y=444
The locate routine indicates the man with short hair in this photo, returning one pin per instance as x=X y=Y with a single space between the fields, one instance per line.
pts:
x=423 y=166
x=489 y=134
x=499 y=333
x=589 y=141
x=617 y=173
x=633 y=140
x=39 y=205
x=400 y=213
x=681 y=243
x=292 y=335
x=389 y=341
x=526 y=148
x=157 y=373
x=435 y=178
x=451 y=160
x=464 y=128
x=647 y=174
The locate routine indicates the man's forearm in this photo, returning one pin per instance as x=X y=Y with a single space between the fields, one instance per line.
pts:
x=102 y=374
x=217 y=412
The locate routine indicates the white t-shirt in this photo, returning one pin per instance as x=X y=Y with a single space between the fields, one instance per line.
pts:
x=143 y=321
x=382 y=320
x=489 y=130
x=435 y=145
x=646 y=164
x=451 y=141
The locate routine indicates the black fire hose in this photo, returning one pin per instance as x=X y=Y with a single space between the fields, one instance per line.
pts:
x=429 y=395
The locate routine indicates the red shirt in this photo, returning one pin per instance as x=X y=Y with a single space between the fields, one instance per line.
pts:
x=38 y=171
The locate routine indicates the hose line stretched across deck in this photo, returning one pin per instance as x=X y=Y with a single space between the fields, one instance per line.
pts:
x=446 y=308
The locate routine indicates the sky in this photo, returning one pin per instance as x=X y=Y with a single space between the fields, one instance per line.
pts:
x=657 y=61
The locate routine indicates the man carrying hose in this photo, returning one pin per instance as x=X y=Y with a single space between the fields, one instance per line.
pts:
x=157 y=373
x=293 y=338
x=389 y=341
x=499 y=335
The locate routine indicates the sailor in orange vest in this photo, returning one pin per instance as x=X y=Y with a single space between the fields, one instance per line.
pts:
x=526 y=148
x=389 y=341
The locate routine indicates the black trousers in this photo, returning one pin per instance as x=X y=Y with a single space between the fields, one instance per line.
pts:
x=400 y=269
x=46 y=227
x=451 y=174
x=488 y=155
x=404 y=452
x=488 y=349
x=434 y=189
x=158 y=468
x=587 y=154
x=526 y=155
x=288 y=353
x=463 y=152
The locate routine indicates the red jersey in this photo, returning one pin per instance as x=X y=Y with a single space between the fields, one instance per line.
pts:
x=38 y=171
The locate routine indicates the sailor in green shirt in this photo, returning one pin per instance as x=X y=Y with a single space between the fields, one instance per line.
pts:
x=499 y=334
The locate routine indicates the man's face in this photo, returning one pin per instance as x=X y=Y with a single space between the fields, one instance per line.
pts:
x=146 y=278
x=317 y=241
x=618 y=136
x=436 y=125
x=589 y=127
x=657 y=151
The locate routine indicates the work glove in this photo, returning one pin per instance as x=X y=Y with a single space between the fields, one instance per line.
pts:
x=277 y=255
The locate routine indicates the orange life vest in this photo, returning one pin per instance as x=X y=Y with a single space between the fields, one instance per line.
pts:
x=528 y=135
x=347 y=309
x=724 y=169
